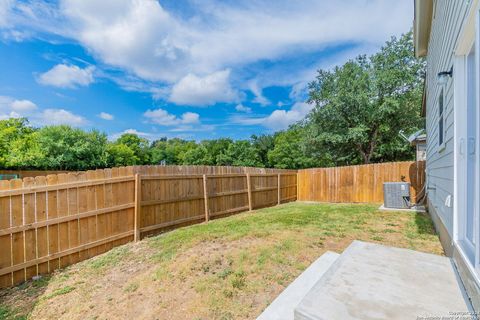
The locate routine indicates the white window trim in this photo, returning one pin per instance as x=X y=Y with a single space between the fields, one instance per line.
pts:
x=469 y=33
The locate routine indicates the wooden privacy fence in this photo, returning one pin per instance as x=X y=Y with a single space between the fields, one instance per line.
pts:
x=50 y=222
x=169 y=201
x=363 y=183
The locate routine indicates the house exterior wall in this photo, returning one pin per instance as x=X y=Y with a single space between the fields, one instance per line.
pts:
x=448 y=17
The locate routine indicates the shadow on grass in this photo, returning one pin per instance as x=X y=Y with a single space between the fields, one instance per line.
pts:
x=16 y=303
x=424 y=223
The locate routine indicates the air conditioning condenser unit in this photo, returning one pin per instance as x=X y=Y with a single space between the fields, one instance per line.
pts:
x=396 y=195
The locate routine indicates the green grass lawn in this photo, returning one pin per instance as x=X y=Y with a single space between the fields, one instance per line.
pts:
x=229 y=268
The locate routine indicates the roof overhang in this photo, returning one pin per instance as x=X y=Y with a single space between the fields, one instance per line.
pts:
x=421 y=26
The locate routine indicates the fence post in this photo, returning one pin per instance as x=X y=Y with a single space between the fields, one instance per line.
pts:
x=297 y=186
x=279 y=195
x=205 y=197
x=249 y=189
x=138 y=206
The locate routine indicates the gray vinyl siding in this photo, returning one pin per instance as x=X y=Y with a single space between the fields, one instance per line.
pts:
x=447 y=22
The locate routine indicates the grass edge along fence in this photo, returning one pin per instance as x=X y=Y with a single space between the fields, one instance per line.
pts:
x=50 y=222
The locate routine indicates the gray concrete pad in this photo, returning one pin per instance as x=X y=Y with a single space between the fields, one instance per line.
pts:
x=370 y=281
x=282 y=307
x=420 y=209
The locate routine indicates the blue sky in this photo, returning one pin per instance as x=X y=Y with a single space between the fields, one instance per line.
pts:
x=195 y=69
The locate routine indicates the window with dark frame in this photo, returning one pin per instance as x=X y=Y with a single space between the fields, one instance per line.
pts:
x=440 y=119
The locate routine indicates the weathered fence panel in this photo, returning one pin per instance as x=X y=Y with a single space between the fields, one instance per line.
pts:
x=168 y=201
x=49 y=222
x=363 y=183
x=226 y=194
x=264 y=190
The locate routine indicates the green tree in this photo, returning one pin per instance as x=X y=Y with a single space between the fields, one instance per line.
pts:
x=25 y=152
x=289 y=152
x=121 y=155
x=12 y=132
x=240 y=153
x=361 y=106
x=139 y=146
x=197 y=156
x=170 y=151
x=67 y=148
x=216 y=148
x=263 y=144
x=158 y=151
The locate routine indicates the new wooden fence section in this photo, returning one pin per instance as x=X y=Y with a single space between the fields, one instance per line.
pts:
x=363 y=183
x=169 y=201
x=54 y=221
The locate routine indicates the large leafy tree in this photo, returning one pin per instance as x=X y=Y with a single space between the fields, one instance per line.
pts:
x=263 y=144
x=67 y=148
x=170 y=151
x=215 y=148
x=119 y=154
x=198 y=156
x=13 y=133
x=25 y=152
x=289 y=151
x=240 y=153
x=361 y=106
x=139 y=146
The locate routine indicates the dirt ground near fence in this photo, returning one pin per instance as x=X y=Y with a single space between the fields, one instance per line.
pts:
x=229 y=268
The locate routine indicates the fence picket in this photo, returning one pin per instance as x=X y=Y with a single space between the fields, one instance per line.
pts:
x=138 y=190
x=205 y=197
x=5 y=240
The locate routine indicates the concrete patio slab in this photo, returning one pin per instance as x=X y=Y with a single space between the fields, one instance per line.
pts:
x=282 y=307
x=370 y=281
x=420 y=209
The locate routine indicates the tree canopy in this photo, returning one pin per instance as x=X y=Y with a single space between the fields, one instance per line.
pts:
x=361 y=106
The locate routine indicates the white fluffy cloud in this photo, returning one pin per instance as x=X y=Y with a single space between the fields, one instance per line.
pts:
x=105 y=116
x=5 y=7
x=281 y=119
x=257 y=91
x=200 y=91
x=67 y=76
x=278 y=119
x=13 y=108
x=23 y=105
x=138 y=35
x=210 y=51
x=157 y=43
x=163 y=118
x=60 y=116
x=241 y=108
